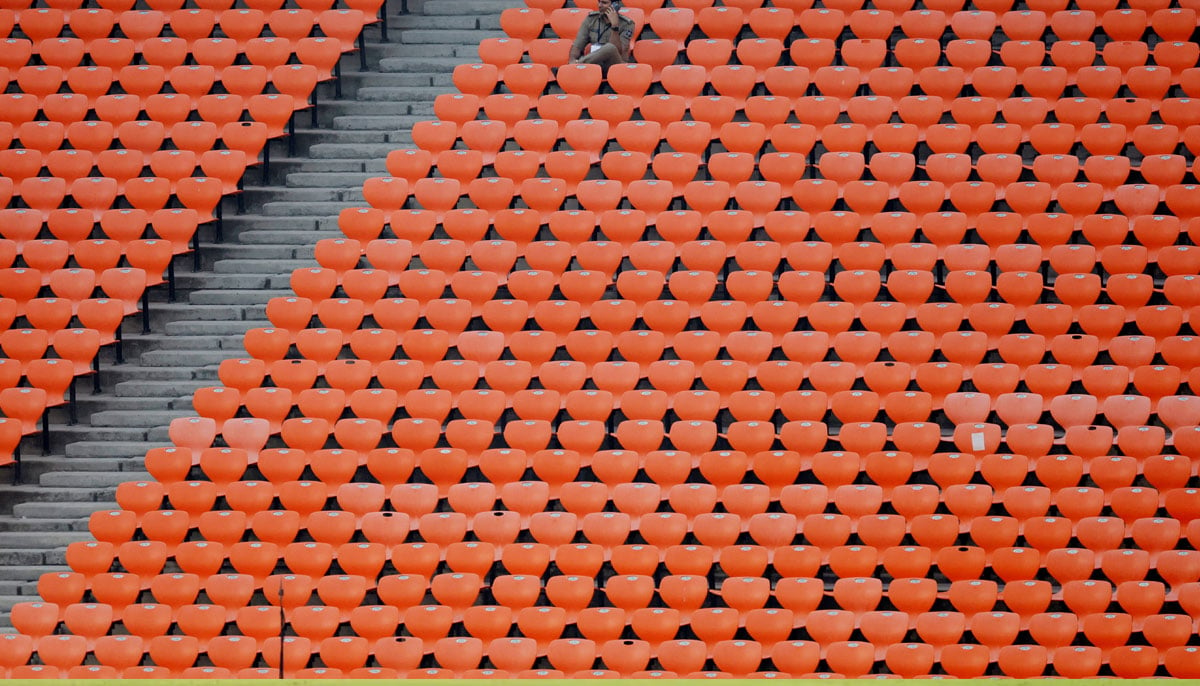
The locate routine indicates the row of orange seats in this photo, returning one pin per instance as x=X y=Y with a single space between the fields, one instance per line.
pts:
x=168 y=6
x=138 y=139
x=72 y=226
x=729 y=22
x=692 y=430
x=753 y=424
x=940 y=324
x=682 y=234
x=895 y=158
x=963 y=509
x=575 y=251
x=634 y=590
x=76 y=285
x=472 y=437
x=932 y=539
x=640 y=294
x=914 y=54
x=123 y=165
x=334 y=471
x=671 y=470
x=1019 y=64
x=805 y=353
x=559 y=321
x=885 y=173
x=649 y=623
x=1067 y=60
x=713 y=115
x=193 y=85
x=895 y=6
x=98 y=194
x=575 y=246
x=145 y=82
x=448 y=548
x=215 y=63
x=924 y=111
x=859 y=285
x=92 y=140
x=895 y=149
x=889 y=381
x=912 y=434
x=348 y=380
x=189 y=25
x=459 y=378
x=656 y=624
x=47 y=259
x=573 y=241
x=401 y=657
x=119 y=6
x=447 y=465
x=1000 y=206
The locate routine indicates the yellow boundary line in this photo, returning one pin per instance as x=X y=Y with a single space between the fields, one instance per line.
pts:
x=486 y=682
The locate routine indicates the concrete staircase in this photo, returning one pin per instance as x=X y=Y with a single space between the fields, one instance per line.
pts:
x=283 y=218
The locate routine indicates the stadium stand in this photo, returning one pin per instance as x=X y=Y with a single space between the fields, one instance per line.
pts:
x=827 y=339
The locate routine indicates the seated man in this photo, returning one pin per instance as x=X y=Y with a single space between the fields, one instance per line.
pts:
x=604 y=38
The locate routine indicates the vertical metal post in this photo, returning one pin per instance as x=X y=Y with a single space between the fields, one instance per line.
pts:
x=282 y=623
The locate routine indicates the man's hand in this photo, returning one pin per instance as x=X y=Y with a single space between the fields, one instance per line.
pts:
x=612 y=17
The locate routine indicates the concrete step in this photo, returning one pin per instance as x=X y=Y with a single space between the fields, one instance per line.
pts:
x=140 y=344
x=178 y=310
x=121 y=418
x=208 y=280
x=335 y=110
x=20 y=588
x=309 y=194
x=33 y=467
x=131 y=371
x=341 y=151
x=111 y=449
x=62 y=435
x=28 y=572
x=382 y=52
x=280 y=168
x=267 y=248
x=377 y=122
x=478 y=7
x=7 y=601
x=15 y=526
x=263 y=222
x=160 y=358
x=302 y=241
x=12 y=540
x=90 y=479
x=240 y=266
x=276 y=242
x=303 y=180
x=235 y=328
x=306 y=137
x=76 y=511
x=410 y=22
x=387 y=93
x=11 y=495
x=87 y=405
x=401 y=78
